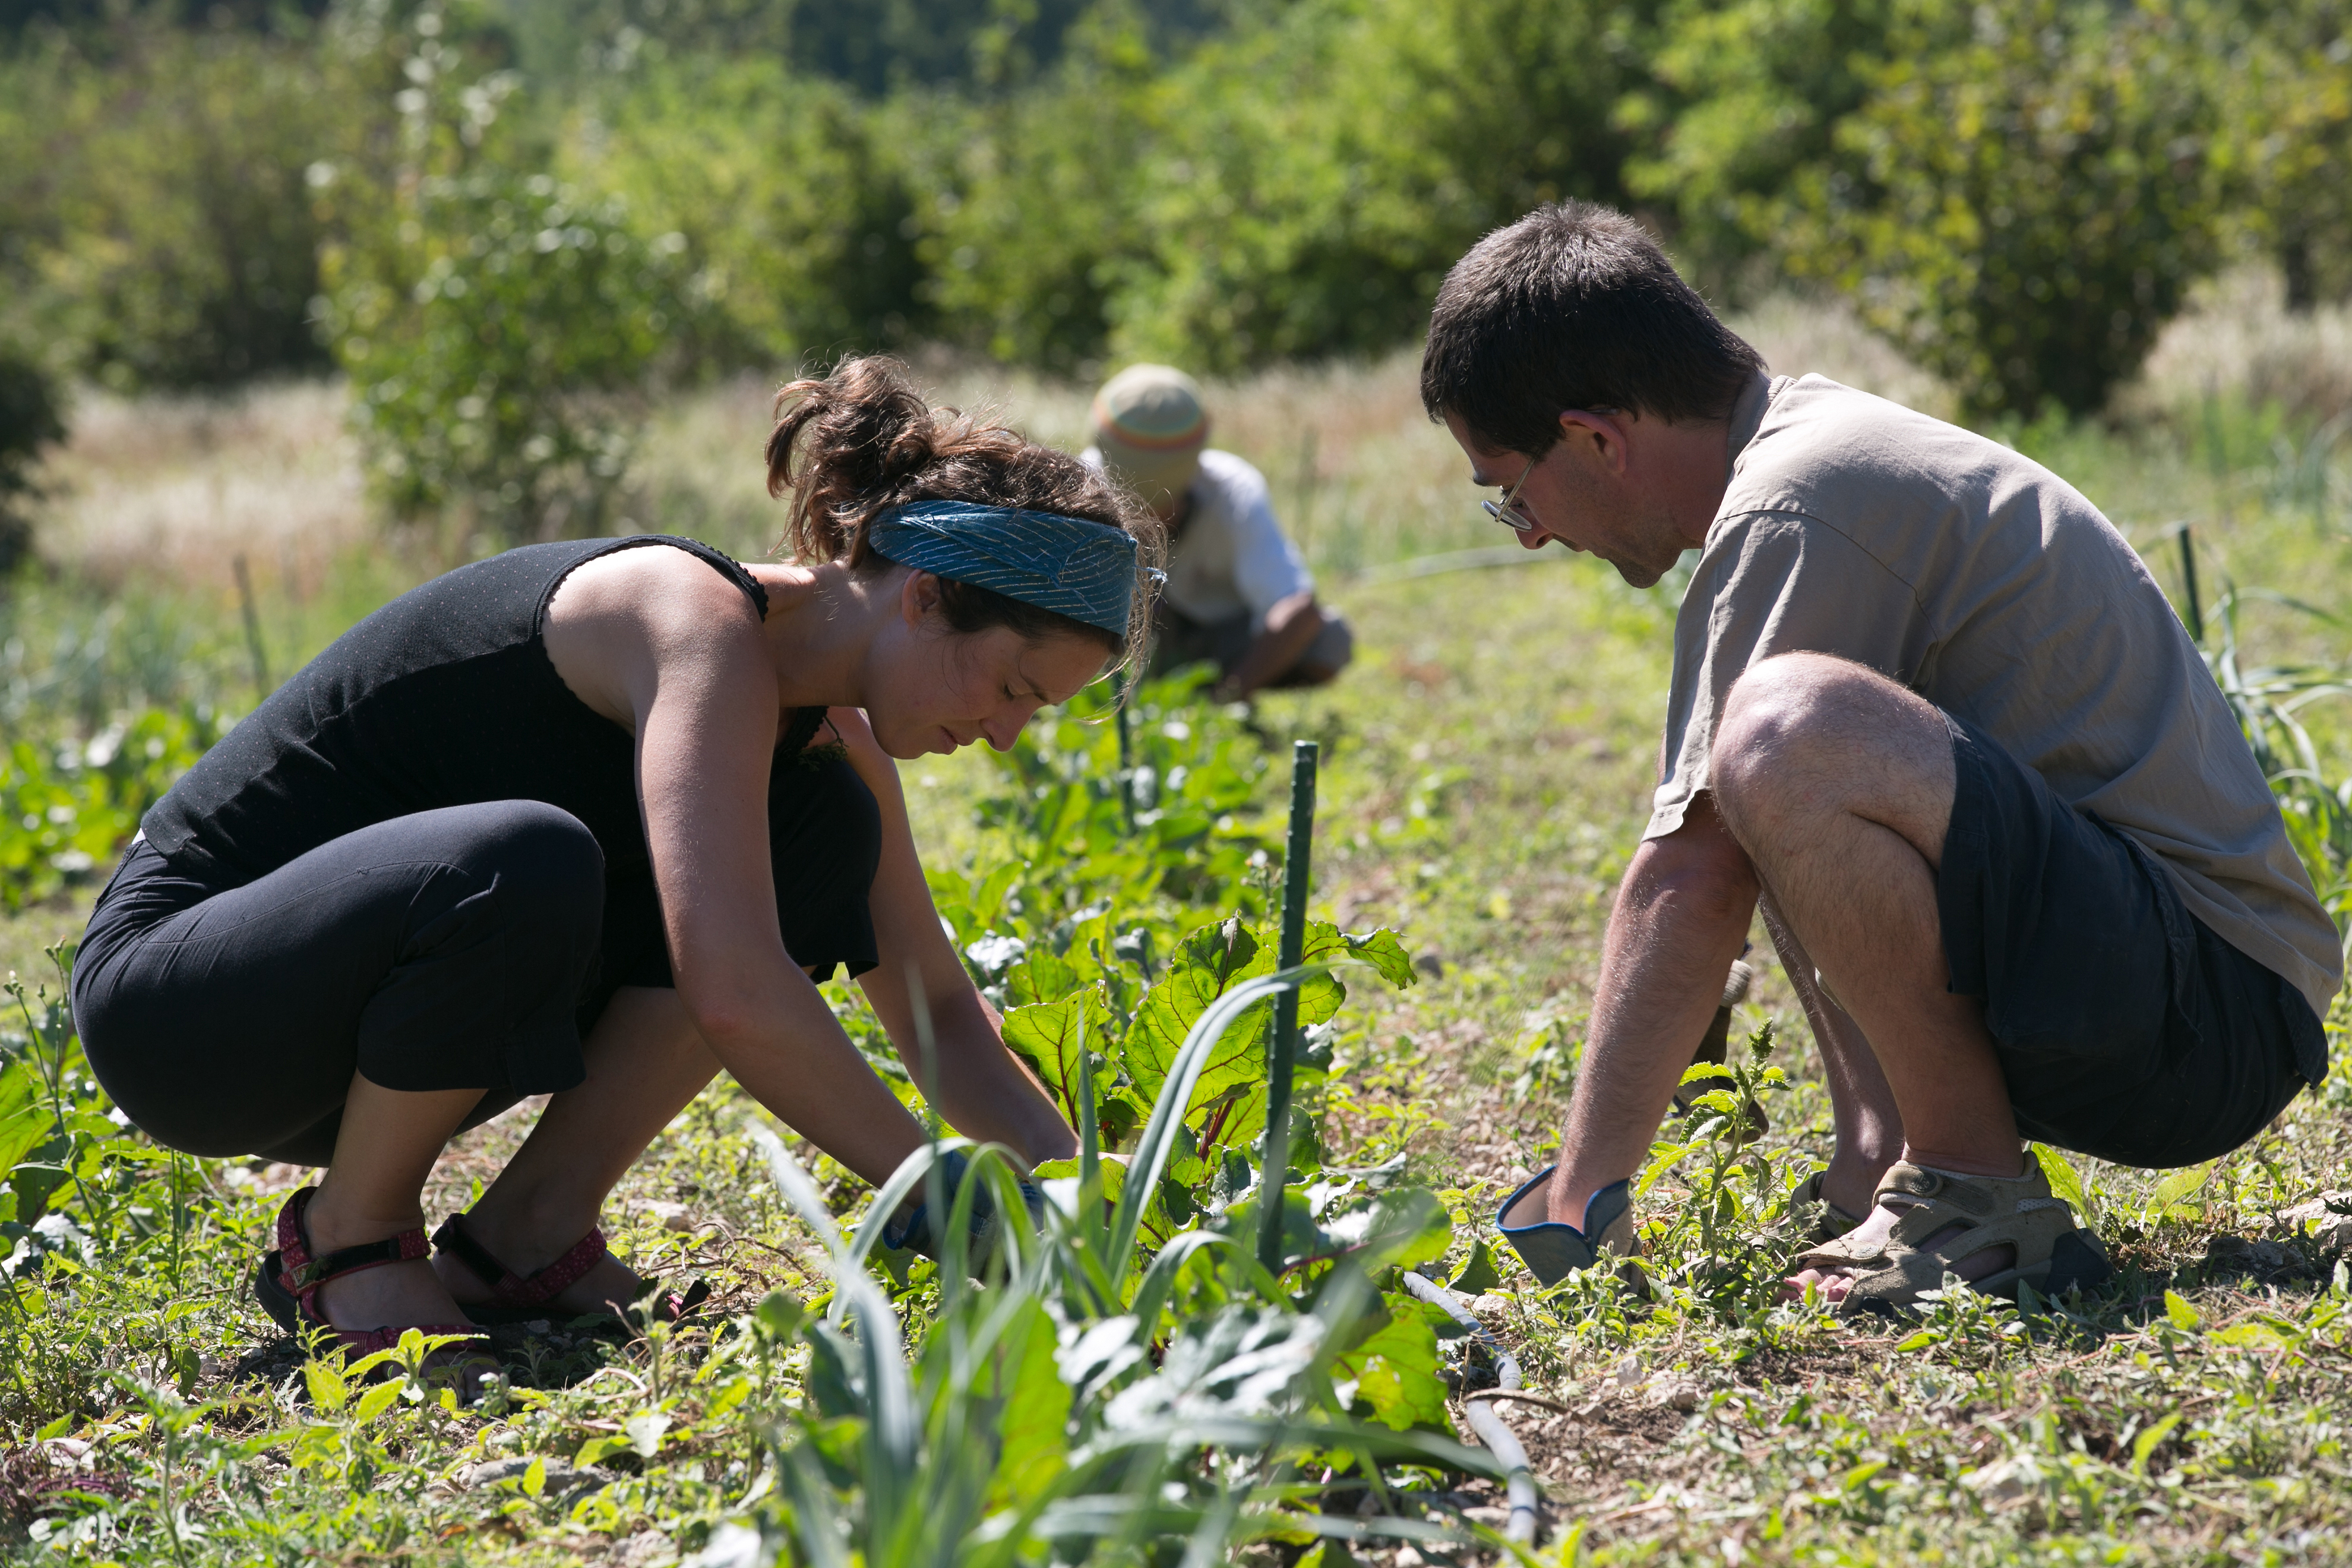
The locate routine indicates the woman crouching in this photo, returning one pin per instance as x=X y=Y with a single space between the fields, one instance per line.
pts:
x=592 y=819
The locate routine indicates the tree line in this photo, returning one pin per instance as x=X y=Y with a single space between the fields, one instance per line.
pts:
x=495 y=217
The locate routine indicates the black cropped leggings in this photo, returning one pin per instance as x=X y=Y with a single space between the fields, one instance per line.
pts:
x=465 y=948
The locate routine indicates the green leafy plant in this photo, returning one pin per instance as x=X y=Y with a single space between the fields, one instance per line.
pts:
x=497 y=357
x=2269 y=700
x=2024 y=195
x=1078 y=1400
x=789 y=196
x=72 y=1169
x=498 y=324
x=165 y=235
x=1740 y=100
x=67 y=809
x=1173 y=824
x=30 y=422
x=1740 y=1188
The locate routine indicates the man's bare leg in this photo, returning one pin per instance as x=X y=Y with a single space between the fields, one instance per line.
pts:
x=1869 y=1128
x=1838 y=785
x=1291 y=627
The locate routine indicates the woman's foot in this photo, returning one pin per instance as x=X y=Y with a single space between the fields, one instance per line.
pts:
x=605 y=1286
x=394 y=1295
x=362 y=1281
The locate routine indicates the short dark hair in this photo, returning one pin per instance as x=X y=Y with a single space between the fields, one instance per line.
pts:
x=1574 y=306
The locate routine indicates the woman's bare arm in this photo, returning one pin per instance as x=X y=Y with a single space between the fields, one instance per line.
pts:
x=984 y=1091
x=662 y=638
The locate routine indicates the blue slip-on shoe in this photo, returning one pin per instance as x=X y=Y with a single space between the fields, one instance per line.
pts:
x=1553 y=1251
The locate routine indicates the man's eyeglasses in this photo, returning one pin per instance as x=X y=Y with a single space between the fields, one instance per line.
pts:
x=1506 y=511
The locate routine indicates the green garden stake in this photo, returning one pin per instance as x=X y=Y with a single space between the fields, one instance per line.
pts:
x=1126 y=748
x=2196 y=615
x=1284 y=1054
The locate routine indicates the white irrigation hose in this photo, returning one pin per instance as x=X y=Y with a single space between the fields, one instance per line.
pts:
x=1492 y=1429
x=1480 y=560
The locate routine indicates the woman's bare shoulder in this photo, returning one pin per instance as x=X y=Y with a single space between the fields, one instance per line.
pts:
x=652 y=585
x=618 y=625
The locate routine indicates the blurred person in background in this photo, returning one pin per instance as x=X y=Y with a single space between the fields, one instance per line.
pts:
x=1237 y=595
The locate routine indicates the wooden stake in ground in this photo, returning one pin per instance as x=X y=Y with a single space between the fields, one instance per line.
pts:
x=252 y=625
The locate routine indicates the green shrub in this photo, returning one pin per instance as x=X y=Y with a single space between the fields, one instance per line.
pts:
x=163 y=236
x=497 y=350
x=1026 y=205
x=1296 y=187
x=29 y=422
x=2025 y=195
x=885 y=44
x=2289 y=103
x=1738 y=99
x=1323 y=170
x=498 y=325
x=789 y=199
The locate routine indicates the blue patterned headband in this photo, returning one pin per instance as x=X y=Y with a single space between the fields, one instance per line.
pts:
x=1075 y=568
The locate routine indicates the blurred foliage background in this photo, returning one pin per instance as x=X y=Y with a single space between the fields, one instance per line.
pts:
x=507 y=221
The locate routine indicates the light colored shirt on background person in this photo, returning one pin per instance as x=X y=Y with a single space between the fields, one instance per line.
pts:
x=1229 y=554
x=1989 y=587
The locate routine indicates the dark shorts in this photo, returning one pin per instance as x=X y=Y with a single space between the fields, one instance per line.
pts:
x=1179 y=640
x=2126 y=1029
x=470 y=947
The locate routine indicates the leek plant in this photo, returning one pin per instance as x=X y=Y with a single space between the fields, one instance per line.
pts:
x=1092 y=1398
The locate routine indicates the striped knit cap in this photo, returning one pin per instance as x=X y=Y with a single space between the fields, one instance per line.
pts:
x=1149 y=427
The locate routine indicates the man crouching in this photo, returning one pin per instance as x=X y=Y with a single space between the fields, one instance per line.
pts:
x=1933 y=715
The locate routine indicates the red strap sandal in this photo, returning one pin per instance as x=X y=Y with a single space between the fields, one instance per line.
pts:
x=286 y=1285
x=514 y=1298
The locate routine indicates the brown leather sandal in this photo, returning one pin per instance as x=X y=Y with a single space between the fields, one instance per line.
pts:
x=1949 y=1218
x=1834 y=1221
x=519 y=1299
x=287 y=1285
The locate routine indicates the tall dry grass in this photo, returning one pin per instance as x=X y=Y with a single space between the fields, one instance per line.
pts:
x=168 y=491
x=2239 y=338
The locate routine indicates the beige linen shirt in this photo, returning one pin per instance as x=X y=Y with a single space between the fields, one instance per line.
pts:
x=1992 y=587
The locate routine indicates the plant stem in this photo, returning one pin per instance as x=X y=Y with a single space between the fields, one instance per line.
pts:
x=179 y=1221
x=171 y=1519
x=48 y=1053
x=2195 y=618
x=1126 y=749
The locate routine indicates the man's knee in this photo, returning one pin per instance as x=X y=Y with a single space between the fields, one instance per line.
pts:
x=1808 y=736
x=1333 y=648
x=1795 y=721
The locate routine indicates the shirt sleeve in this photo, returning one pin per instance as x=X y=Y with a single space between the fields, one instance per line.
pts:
x=1768 y=584
x=1266 y=567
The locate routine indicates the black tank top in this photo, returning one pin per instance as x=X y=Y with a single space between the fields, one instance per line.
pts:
x=445 y=697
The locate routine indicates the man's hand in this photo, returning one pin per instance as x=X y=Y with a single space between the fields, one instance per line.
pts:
x=1681 y=915
x=1291 y=627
